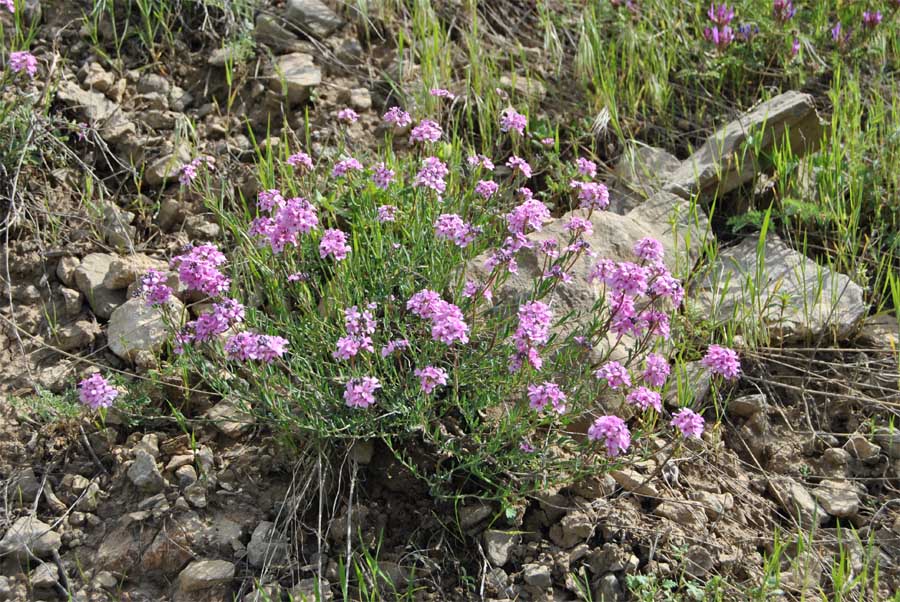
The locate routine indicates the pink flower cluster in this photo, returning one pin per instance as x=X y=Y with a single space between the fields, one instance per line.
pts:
x=360 y=392
x=347 y=115
x=615 y=375
x=426 y=131
x=512 y=120
x=359 y=325
x=532 y=333
x=547 y=393
x=723 y=361
x=530 y=215
x=289 y=219
x=397 y=117
x=189 y=171
x=447 y=323
x=432 y=175
x=613 y=432
x=591 y=195
x=430 y=378
x=720 y=33
x=450 y=226
x=382 y=176
x=519 y=164
x=345 y=166
x=245 y=346
x=387 y=213
x=96 y=392
x=23 y=60
x=480 y=161
x=154 y=288
x=198 y=270
x=300 y=159
x=486 y=189
x=334 y=243
x=689 y=423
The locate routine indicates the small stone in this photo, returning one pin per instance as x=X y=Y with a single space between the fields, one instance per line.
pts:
x=44 y=576
x=472 y=514
x=151 y=82
x=575 y=527
x=90 y=276
x=24 y=487
x=186 y=476
x=65 y=270
x=144 y=474
x=698 y=561
x=537 y=575
x=797 y=501
x=297 y=73
x=889 y=440
x=106 y=580
x=838 y=498
x=176 y=462
x=205 y=574
x=714 y=504
x=272 y=33
x=166 y=168
x=360 y=99
x=116 y=227
x=527 y=88
x=28 y=533
x=861 y=448
x=266 y=546
x=77 y=335
x=72 y=301
x=231 y=417
x=498 y=544
x=136 y=327
x=748 y=405
x=634 y=482
x=125 y=270
x=312 y=16
x=200 y=227
x=148 y=443
x=683 y=513
x=171 y=212
x=608 y=589
x=196 y=495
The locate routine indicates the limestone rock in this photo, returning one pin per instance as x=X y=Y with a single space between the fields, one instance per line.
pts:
x=30 y=534
x=838 y=498
x=786 y=295
x=78 y=335
x=296 y=75
x=230 y=417
x=116 y=227
x=65 y=270
x=266 y=546
x=312 y=16
x=125 y=270
x=797 y=501
x=205 y=574
x=726 y=161
x=634 y=482
x=641 y=171
x=861 y=448
x=687 y=514
x=136 y=327
x=537 y=575
x=498 y=544
x=144 y=473
x=167 y=167
x=99 y=111
x=889 y=440
x=90 y=276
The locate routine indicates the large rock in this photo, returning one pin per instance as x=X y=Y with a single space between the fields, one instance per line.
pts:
x=136 y=327
x=727 y=160
x=797 y=502
x=790 y=293
x=296 y=75
x=205 y=574
x=90 y=276
x=100 y=112
x=28 y=534
x=312 y=16
x=640 y=172
x=125 y=270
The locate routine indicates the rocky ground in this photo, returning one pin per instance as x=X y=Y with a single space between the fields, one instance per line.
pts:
x=135 y=509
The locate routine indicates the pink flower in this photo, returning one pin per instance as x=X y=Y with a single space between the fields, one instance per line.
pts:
x=188 y=171
x=613 y=431
x=518 y=164
x=472 y=288
x=154 y=288
x=656 y=370
x=382 y=176
x=689 y=423
x=9 y=4
x=442 y=93
x=96 y=392
x=510 y=119
x=649 y=249
x=397 y=117
x=578 y=226
x=426 y=131
x=243 y=346
x=360 y=392
x=334 y=243
x=481 y=161
x=267 y=200
x=629 y=278
x=292 y=217
x=486 y=188
x=348 y=115
x=592 y=195
x=387 y=213
x=450 y=226
x=533 y=332
x=795 y=47
x=392 y=346
x=547 y=393
x=548 y=141
x=23 y=61
x=300 y=159
x=615 y=375
x=430 y=378
x=270 y=347
x=349 y=346
x=722 y=360
x=432 y=175
x=198 y=270
x=586 y=167
x=345 y=166
x=448 y=325
x=645 y=398
x=423 y=303
x=530 y=215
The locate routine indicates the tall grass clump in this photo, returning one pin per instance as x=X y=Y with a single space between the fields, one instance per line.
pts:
x=349 y=308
